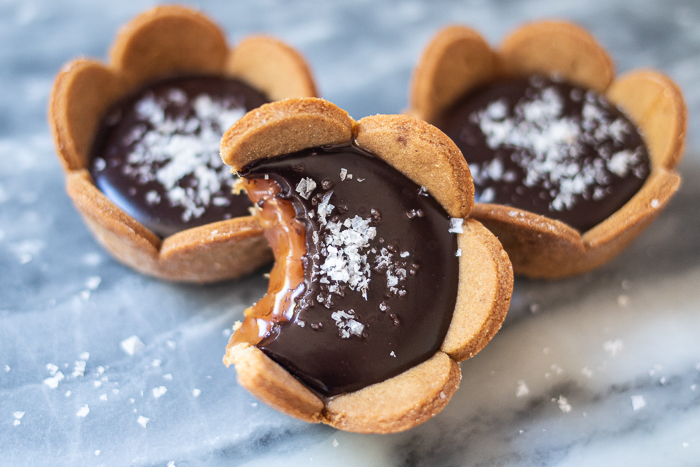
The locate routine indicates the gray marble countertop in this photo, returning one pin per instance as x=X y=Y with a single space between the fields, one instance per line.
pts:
x=601 y=369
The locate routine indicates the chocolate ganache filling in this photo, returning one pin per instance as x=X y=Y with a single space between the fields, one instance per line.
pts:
x=380 y=271
x=550 y=148
x=156 y=154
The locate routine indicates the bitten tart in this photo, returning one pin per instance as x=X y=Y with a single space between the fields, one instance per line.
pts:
x=569 y=162
x=382 y=282
x=139 y=140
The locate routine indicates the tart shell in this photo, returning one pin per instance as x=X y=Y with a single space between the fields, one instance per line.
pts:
x=161 y=42
x=458 y=60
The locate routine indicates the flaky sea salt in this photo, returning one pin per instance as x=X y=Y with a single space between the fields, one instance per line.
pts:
x=173 y=149
x=521 y=389
x=563 y=404
x=143 y=421
x=305 y=187
x=456 y=225
x=84 y=410
x=638 y=402
x=347 y=324
x=159 y=391
x=132 y=345
x=547 y=146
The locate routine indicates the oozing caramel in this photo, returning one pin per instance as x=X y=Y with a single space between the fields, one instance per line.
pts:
x=287 y=238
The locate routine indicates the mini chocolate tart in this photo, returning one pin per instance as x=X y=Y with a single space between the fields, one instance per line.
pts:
x=550 y=148
x=138 y=139
x=381 y=282
x=569 y=162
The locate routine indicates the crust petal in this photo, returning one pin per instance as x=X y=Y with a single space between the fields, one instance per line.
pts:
x=167 y=39
x=609 y=237
x=221 y=250
x=128 y=240
x=272 y=384
x=456 y=60
x=536 y=245
x=399 y=403
x=82 y=93
x=485 y=288
x=656 y=105
x=558 y=48
x=271 y=66
x=422 y=153
x=284 y=127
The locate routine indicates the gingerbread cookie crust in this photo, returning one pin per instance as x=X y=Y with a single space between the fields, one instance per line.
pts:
x=164 y=42
x=481 y=293
x=458 y=60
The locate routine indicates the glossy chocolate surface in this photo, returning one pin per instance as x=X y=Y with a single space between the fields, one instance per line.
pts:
x=550 y=148
x=381 y=273
x=156 y=154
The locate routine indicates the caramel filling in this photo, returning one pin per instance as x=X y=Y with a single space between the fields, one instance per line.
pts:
x=287 y=238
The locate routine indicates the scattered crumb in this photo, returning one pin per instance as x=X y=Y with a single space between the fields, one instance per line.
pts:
x=638 y=402
x=84 y=410
x=143 y=421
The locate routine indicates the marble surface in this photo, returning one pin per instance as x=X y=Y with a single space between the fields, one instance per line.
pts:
x=601 y=369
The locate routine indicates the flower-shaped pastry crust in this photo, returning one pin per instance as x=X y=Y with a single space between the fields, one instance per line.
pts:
x=485 y=279
x=163 y=42
x=458 y=60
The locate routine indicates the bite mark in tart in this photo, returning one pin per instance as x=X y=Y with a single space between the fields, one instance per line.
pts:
x=381 y=282
x=569 y=163
x=146 y=129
